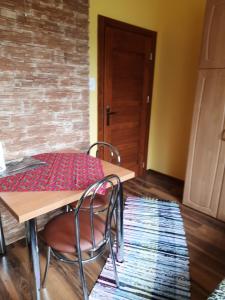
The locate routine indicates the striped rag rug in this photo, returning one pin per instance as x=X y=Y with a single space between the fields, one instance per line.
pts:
x=156 y=261
x=219 y=293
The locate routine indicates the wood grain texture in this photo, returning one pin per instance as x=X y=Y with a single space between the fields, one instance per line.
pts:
x=27 y=205
x=213 y=50
x=15 y=231
x=21 y=206
x=205 y=185
x=125 y=83
x=205 y=237
x=206 y=162
x=221 y=208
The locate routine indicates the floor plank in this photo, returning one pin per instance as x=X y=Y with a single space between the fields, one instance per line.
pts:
x=205 y=237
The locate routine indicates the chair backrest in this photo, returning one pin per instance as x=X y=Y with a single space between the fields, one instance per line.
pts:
x=111 y=187
x=113 y=151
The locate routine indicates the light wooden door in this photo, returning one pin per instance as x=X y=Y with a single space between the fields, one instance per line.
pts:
x=213 y=50
x=125 y=87
x=206 y=160
x=221 y=209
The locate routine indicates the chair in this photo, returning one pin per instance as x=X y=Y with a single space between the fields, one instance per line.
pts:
x=113 y=151
x=101 y=200
x=83 y=232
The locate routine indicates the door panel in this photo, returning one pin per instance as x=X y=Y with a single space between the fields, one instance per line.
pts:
x=213 y=51
x=206 y=161
x=221 y=209
x=125 y=84
x=124 y=66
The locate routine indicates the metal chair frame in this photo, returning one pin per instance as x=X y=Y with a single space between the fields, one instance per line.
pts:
x=114 y=153
x=111 y=182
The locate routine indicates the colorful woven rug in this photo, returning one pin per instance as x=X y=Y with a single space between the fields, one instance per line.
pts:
x=156 y=261
x=219 y=293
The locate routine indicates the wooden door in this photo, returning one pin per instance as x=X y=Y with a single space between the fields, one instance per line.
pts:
x=206 y=161
x=126 y=62
x=213 y=50
x=221 y=209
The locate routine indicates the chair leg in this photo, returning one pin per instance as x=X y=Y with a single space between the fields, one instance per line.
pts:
x=113 y=262
x=67 y=208
x=48 y=258
x=83 y=281
x=2 y=239
x=114 y=218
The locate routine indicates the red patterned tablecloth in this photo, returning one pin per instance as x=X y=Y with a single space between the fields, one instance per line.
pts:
x=64 y=171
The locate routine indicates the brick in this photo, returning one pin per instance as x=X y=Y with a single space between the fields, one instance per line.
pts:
x=8 y=13
x=44 y=81
x=44 y=75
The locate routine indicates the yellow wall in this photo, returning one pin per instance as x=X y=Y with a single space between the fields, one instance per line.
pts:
x=179 y=27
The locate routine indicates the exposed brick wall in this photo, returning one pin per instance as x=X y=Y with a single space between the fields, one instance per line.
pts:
x=43 y=82
x=44 y=75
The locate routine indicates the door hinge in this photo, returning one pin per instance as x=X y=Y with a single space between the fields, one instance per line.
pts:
x=143 y=165
x=148 y=99
x=150 y=56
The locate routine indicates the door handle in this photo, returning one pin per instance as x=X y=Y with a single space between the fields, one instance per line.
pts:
x=223 y=135
x=108 y=114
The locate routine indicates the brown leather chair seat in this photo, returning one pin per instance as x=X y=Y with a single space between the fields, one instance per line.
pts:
x=99 y=201
x=59 y=233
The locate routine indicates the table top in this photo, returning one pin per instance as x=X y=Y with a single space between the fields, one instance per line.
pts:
x=27 y=205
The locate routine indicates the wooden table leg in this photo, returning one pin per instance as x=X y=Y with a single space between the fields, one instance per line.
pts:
x=32 y=243
x=119 y=231
x=2 y=239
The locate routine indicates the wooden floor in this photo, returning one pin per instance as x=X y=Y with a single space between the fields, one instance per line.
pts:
x=205 y=237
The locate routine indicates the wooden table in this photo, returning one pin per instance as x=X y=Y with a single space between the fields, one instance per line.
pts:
x=26 y=206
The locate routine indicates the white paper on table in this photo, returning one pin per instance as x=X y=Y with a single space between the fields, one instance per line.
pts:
x=2 y=159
